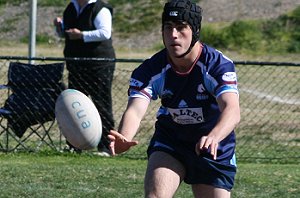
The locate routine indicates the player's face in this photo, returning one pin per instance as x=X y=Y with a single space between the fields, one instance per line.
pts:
x=177 y=37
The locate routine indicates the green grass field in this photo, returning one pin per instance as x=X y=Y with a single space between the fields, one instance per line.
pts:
x=72 y=175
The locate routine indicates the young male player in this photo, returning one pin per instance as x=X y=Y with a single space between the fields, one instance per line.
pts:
x=194 y=138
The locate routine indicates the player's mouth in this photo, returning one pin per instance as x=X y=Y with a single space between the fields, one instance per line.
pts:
x=175 y=45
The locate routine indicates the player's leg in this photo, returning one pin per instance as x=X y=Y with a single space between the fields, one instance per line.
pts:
x=163 y=176
x=202 y=190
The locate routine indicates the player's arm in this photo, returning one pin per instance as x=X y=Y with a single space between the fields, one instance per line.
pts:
x=121 y=141
x=228 y=120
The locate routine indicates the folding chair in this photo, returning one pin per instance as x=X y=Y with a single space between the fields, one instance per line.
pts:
x=27 y=115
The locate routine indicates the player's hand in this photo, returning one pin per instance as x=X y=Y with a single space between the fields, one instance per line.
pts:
x=118 y=143
x=207 y=144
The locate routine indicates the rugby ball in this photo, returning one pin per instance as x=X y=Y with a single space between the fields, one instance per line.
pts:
x=78 y=119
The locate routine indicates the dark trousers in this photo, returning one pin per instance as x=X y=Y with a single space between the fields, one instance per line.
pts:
x=95 y=80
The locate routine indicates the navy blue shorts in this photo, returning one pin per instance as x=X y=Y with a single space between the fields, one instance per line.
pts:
x=200 y=169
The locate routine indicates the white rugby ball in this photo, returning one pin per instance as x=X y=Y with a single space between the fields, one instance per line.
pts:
x=78 y=119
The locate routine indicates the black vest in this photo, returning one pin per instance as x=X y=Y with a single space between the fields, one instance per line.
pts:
x=84 y=22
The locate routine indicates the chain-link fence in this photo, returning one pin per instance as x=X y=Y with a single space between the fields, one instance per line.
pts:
x=270 y=108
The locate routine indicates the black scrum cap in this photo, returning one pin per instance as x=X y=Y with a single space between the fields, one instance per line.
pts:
x=184 y=10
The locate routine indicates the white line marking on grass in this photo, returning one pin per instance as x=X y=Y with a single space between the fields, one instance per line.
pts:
x=272 y=98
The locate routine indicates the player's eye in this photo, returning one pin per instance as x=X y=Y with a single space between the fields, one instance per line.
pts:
x=181 y=27
x=178 y=27
x=168 y=27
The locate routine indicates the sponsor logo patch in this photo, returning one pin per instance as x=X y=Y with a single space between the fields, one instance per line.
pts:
x=182 y=104
x=135 y=83
x=201 y=95
x=173 y=13
x=201 y=88
x=187 y=115
x=229 y=76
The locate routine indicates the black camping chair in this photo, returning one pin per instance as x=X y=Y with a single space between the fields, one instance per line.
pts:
x=29 y=106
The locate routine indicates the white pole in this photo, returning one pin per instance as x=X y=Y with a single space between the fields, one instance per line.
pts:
x=32 y=28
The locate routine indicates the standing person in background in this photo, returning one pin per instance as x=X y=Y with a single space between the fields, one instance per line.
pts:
x=87 y=28
x=194 y=139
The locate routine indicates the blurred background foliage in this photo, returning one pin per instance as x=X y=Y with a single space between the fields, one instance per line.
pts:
x=135 y=17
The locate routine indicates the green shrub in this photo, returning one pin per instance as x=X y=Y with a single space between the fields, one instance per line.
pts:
x=132 y=17
x=15 y=2
x=39 y=2
x=243 y=35
x=56 y=3
x=40 y=39
x=213 y=37
x=292 y=29
x=281 y=35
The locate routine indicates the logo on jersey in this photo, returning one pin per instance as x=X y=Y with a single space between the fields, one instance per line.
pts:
x=201 y=88
x=135 y=83
x=187 y=115
x=229 y=77
x=167 y=94
x=182 y=104
x=173 y=13
x=201 y=93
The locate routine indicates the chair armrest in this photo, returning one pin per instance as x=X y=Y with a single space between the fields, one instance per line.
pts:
x=5 y=112
x=4 y=87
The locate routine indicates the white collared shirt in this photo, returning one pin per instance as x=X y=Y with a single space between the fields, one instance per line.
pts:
x=102 y=22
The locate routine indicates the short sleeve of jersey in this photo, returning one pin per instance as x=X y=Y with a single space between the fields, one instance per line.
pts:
x=218 y=72
x=147 y=80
